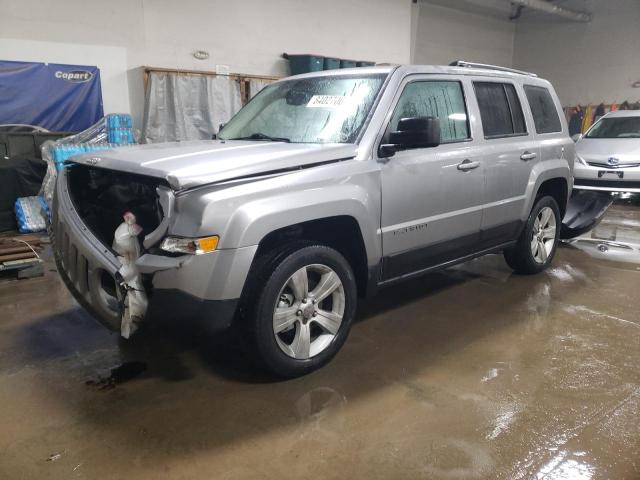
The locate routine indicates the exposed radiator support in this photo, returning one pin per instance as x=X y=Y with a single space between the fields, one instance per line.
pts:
x=548 y=7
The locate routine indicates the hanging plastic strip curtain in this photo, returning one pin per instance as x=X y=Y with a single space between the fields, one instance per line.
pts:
x=188 y=107
x=257 y=84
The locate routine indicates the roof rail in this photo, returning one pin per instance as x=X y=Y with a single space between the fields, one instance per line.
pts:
x=462 y=63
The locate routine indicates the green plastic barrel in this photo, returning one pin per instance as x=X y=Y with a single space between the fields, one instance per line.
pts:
x=305 y=63
x=347 y=63
x=331 y=63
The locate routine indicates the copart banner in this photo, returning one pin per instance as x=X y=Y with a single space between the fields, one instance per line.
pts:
x=61 y=98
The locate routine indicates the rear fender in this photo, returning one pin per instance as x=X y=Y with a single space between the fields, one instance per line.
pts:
x=540 y=173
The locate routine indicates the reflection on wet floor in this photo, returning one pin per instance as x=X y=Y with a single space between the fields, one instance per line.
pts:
x=617 y=237
x=470 y=373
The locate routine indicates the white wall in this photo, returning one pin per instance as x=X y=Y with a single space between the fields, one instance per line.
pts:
x=119 y=36
x=445 y=34
x=587 y=63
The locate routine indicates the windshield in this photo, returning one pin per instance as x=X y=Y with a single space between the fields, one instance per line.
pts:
x=616 y=127
x=329 y=109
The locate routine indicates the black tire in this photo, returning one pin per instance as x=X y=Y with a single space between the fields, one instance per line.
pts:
x=520 y=257
x=268 y=277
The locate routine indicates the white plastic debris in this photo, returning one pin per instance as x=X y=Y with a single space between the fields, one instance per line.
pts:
x=126 y=245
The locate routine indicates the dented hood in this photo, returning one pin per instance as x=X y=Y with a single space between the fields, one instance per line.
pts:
x=190 y=164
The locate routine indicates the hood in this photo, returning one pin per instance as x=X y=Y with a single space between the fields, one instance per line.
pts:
x=599 y=150
x=190 y=164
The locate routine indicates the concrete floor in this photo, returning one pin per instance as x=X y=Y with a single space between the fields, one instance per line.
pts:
x=469 y=373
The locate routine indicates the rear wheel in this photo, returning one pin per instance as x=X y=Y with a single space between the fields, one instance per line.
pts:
x=538 y=241
x=301 y=309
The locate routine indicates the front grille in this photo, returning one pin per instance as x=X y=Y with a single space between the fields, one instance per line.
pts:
x=82 y=271
x=609 y=167
x=74 y=262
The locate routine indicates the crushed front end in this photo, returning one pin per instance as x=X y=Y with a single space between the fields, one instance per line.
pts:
x=89 y=206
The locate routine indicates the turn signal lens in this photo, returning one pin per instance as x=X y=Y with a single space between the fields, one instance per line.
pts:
x=192 y=246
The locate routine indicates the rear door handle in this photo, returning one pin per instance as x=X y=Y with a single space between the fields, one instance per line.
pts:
x=528 y=156
x=467 y=165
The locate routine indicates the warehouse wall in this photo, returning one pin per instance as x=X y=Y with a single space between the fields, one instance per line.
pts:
x=119 y=36
x=588 y=63
x=444 y=34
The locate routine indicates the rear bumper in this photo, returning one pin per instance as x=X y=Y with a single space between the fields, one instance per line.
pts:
x=205 y=287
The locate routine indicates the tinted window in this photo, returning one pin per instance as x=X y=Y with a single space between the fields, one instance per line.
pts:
x=543 y=109
x=444 y=100
x=516 y=109
x=500 y=109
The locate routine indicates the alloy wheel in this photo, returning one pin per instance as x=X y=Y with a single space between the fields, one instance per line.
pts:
x=309 y=311
x=543 y=235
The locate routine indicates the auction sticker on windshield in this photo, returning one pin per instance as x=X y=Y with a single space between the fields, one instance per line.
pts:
x=327 y=101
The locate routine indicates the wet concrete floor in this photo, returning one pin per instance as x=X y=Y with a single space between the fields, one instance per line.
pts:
x=464 y=374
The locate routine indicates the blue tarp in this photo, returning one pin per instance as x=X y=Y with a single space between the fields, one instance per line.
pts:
x=60 y=98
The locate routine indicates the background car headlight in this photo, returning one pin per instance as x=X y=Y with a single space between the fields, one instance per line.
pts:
x=192 y=246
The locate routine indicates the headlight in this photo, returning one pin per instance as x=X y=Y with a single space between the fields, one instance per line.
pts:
x=581 y=161
x=192 y=246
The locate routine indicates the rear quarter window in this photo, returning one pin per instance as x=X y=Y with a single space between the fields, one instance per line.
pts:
x=545 y=114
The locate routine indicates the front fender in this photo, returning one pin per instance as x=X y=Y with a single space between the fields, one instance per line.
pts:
x=254 y=220
x=242 y=215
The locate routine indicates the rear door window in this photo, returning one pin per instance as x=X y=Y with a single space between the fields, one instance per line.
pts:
x=500 y=109
x=545 y=114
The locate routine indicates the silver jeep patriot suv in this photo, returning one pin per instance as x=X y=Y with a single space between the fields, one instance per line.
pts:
x=324 y=188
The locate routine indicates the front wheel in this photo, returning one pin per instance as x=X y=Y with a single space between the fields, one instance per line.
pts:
x=300 y=314
x=538 y=241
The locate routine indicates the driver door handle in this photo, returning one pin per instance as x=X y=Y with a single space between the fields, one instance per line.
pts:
x=467 y=165
x=527 y=156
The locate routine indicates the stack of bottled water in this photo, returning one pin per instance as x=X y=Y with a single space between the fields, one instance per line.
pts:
x=61 y=153
x=113 y=130
x=31 y=214
x=120 y=129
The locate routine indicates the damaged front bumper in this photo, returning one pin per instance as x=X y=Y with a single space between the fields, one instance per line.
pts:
x=204 y=287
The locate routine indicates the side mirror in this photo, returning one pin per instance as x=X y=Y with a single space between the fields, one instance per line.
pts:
x=412 y=132
x=576 y=137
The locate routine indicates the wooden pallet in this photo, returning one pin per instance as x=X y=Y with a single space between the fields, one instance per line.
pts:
x=24 y=268
x=20 y=254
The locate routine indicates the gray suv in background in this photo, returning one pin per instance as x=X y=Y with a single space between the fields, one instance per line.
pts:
x=324 y=188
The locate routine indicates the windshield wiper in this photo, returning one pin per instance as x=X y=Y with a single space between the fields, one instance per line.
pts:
x=262 y=136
